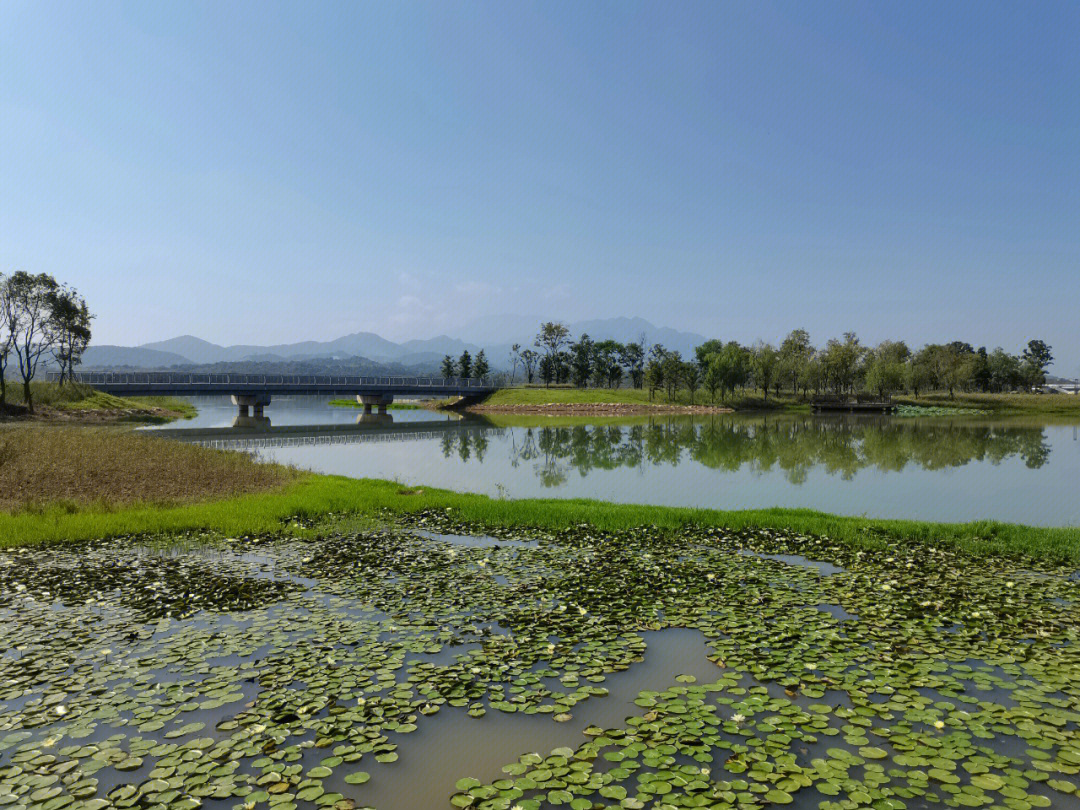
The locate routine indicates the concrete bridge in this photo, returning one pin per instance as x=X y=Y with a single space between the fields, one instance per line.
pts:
x=253 y=392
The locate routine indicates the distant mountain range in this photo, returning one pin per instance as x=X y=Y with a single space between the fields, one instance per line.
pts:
x=188 y=350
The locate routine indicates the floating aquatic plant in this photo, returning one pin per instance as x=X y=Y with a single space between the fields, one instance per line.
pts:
x=266 y=672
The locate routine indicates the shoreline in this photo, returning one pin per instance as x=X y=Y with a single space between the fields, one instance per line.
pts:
x=596 y=409
x=283 y=511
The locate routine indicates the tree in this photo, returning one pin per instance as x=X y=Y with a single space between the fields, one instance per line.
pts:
x=632 y=357
x=529 y=359
x=765 y=363
x=919 y=373
x=551 y=338
x=706 y=350
x=981 y=372
x=713 y=378
x=1005 y=372
x=1037 y=359
x=515 y=359
x=691 y=374
x=654 y=376
x=581 y=361
x=953 y=365
x=7 y=335
x=481 y=367
x=795 y=353
x=606 y=368
x=672 y=367
x=547 y=369
x=30 y=302
x=465 y=364
x=884 y=373
x=448 y=366
x=841 y=360
x=70 y=330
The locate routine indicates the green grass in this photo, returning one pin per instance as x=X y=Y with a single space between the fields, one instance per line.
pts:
x=1002 y=404
x=538 y=395
x=83 y=398
x=319 y=495
x=394 y=406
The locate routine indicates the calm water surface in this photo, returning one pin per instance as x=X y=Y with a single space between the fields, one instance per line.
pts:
x=934 y=468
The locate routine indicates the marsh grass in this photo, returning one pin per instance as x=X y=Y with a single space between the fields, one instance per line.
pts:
x=363 y=502
x=49 y=467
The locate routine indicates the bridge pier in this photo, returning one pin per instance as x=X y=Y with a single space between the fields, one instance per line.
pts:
x=382 y=401
x=375 y=419
x=255 y=402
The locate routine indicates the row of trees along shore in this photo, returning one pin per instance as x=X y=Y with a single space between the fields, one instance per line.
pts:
x=40 y=318
x=466 y=365
x=842 y=367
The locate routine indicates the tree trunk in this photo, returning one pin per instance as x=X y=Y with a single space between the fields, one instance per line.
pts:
x=28 y=396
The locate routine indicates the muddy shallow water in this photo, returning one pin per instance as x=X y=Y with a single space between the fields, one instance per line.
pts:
x=428 y=666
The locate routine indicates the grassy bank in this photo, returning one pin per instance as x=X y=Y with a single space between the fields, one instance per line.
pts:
x=313 y=496
x=538 y=395
x=73 y=401
x=1002 y=404
x=394 y=406
x=48 y=467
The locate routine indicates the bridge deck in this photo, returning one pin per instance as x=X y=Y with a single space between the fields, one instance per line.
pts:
x=166 y=383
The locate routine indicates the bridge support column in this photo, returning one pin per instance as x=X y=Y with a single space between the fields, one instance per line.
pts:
x=382 y=401
x=375 y=419
x=253 y=401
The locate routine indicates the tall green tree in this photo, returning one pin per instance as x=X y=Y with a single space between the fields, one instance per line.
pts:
x=703 y=352
x=842 y=361
x=606 y=368
x=448 y=366
x=654 y=376
x=1037 y=358
x=581 y=361
x=552 y=337
x=70 y=330
x=1005 y=373
x=480 y=365
x=953 y=364
x=691 y=374
x=713 y=378
x=7 y=336
x=515 y=361
x=632 y=357
x=673 y=369
x=465 y=364
x=31 y=299
x=529 y=359
x=795 y=353
x=547 y=369
x=766 y=363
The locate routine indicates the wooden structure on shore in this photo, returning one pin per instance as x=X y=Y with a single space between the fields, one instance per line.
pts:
x=858 y=404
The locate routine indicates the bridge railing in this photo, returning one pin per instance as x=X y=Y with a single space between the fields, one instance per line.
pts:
x=165 y=379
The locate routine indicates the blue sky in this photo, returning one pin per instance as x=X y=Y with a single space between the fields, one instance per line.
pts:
x=263 y=172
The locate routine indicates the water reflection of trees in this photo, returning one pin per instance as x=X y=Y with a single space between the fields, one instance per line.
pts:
x=794 y=445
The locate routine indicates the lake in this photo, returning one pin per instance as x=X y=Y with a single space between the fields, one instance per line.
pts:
x=955 y=468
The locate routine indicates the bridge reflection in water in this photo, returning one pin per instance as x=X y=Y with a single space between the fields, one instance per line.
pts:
x=253 y=433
